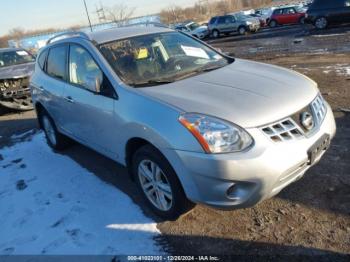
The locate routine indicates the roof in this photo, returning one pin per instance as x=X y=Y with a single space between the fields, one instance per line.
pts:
x=125 y=32
x=9 y=49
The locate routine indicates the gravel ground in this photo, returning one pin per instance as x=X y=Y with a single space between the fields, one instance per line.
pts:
x=310 y=217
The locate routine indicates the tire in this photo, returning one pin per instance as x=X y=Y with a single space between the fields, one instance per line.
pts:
x=216 y=33
x=321 y=23
x=150 y=170
x=302 y=20
x=55 y=139
x=242 y=30
x=273 y=23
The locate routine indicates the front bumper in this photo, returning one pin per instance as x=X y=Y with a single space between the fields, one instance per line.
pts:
x=254 y=27
x=240 y=180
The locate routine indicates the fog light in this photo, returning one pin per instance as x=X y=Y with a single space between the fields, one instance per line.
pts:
x=240 y=192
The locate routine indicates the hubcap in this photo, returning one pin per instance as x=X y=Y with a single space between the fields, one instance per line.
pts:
x=242 y=31
x=215 y=34
x=321 y=23
x=155 y=185
x=49 y=130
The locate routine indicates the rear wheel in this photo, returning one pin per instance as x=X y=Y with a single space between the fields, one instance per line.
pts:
x=321 y=23
x=55 y=139
x=216 y=33
x=159 y=184
x=273 y=23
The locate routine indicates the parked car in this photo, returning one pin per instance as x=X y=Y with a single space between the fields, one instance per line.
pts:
x=287 y=15
x=261 y=19
x=194 y=29
x=16 y=67
x=231 y=23
x=192 y=124
x=322 y=13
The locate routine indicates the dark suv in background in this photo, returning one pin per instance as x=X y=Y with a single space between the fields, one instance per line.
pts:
x=325 y=12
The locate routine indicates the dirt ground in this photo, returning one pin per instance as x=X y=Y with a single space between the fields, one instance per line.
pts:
x=310 y=217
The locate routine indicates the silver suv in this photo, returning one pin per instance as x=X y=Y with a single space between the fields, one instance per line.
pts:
x=232 y=23
x=191 y=124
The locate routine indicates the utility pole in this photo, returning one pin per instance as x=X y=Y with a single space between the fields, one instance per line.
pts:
x=87 y=14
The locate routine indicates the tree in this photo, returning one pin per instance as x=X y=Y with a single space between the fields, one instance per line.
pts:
x=119 y=14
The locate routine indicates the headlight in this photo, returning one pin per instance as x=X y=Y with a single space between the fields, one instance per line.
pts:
x=216 y=135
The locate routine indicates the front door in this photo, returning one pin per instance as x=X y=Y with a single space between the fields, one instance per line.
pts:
x=89 y=114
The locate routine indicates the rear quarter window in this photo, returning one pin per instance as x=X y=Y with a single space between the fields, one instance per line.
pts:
x=57 y=62
x=42 y=59
x=213 y=20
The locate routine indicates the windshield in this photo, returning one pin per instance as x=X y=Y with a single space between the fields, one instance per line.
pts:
x=15 y=57
x=160 y=58
x=193 y=26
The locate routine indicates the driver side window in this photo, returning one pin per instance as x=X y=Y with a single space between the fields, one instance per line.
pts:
x=83 y=70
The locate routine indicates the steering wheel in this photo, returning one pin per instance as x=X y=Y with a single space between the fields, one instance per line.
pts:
x=174 y=62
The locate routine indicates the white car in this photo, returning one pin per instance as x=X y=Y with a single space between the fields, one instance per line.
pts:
x=194 y=29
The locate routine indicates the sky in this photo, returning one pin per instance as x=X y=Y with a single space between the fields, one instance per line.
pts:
x=41 y=14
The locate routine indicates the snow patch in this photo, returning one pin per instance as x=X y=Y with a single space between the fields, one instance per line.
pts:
x=51 y=205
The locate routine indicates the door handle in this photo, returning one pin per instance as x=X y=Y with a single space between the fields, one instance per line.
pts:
x=69 y=99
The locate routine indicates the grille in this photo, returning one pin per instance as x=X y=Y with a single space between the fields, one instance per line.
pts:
x=291 y=128
x=283 y=131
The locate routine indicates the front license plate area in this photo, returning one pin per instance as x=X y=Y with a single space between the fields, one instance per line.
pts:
x=318 y=148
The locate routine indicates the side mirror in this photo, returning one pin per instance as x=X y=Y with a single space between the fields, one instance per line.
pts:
x=93 y=83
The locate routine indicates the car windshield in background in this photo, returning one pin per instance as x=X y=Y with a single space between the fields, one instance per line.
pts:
x=160 y=58
x=193 y=26
x=15 y=57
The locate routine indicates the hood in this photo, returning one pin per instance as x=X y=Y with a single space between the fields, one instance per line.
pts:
x=17 y=71
x=246 y=93
x=200 y=29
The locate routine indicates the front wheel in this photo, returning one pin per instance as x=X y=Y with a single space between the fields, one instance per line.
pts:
x=273 y=23
x=159 y=184
x=242 y=30
x=321 y=23
x=216 y=34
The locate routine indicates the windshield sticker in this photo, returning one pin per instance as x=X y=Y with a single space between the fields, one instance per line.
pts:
x=22 y=53
x=195 y=52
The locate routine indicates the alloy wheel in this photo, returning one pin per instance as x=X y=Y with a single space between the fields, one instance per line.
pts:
x=49 y=130
x=321 y=23
x=155 y=185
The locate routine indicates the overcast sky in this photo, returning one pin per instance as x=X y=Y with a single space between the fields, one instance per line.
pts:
x=40 y=14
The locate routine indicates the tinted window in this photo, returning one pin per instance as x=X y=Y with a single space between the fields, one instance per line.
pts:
x=222 y=20
x=83 y=69
x=288 y=11
x=42 y=58
x=15 y=57
x=213 y=20
x=328 y=3
x=278 y=12
x=56 y=62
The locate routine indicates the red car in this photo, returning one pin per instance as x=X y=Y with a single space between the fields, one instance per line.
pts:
x=287 y=15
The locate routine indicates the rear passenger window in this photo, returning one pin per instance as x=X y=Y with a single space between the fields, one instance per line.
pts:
x=278 y=12
x=222 y=20
x=42 y=59
x=57 y=61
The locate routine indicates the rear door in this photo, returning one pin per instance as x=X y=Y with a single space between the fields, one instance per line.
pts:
x=54 y=83
x=290 y=16
x=90 y=115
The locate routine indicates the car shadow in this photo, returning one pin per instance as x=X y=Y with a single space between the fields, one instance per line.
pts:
x=327 y=185
x=241 y=250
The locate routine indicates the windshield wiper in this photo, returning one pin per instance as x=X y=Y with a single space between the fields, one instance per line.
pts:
x=151 y=83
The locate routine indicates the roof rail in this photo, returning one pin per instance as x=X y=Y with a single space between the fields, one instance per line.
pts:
x=67 y=35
